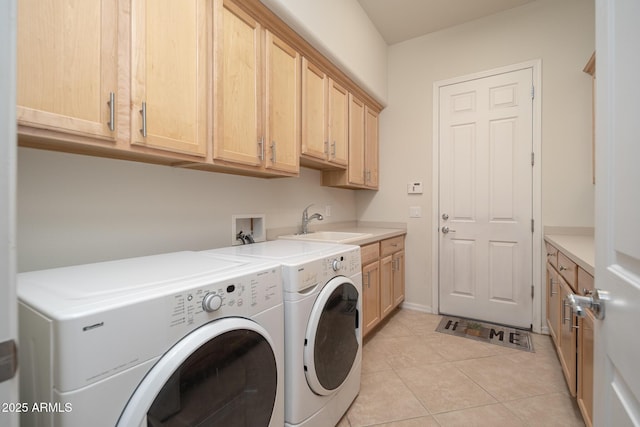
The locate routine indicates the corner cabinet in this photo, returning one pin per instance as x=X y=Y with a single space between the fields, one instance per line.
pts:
x=67 y=81
x=169 y=76
x=383 y=280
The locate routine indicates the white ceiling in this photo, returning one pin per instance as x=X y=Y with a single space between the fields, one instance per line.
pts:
x=399 y=20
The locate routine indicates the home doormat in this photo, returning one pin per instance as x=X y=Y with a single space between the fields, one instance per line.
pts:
x=486 y=332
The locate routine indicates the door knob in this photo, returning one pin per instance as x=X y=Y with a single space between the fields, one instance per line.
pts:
x=445 y=216
x=595 y=302
x=446 y=230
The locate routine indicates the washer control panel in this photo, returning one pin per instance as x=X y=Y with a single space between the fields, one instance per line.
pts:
x=241 y=296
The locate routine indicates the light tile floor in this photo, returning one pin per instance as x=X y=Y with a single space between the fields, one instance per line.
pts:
x=413 y=376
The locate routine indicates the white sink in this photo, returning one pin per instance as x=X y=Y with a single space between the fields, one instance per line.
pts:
x=327 y=236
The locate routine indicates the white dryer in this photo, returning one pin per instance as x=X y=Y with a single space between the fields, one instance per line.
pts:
x=323 y=335
x=176 y=339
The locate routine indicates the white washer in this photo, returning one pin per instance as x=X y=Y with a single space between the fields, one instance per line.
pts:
x=323 y=336
x=172 y=339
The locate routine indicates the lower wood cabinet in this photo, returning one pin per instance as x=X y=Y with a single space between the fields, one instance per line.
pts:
x=572 y=335
x=566 y=346
x=382 y=280
x=585 y=367
x=553 y=302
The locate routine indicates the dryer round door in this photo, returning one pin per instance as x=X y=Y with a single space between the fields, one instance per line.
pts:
x=222 y=374
x=332 y=341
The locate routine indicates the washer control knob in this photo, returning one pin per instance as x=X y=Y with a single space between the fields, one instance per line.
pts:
x=211 y=302
x=336 y=264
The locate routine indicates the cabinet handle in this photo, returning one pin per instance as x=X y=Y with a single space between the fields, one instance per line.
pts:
x=563 y=268
x=261 y=149
x=368 y=279
x=143 y=111
x=273 y=151
x=326 y=148
x=564 y=310
x=333 y=150
x=112 y=111
x=551 y=288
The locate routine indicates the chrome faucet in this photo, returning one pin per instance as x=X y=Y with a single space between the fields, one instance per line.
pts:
x=306 y=219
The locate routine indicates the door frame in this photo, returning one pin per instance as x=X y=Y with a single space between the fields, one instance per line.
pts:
x=537 y=266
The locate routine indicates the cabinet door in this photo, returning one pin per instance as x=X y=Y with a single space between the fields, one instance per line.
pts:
x=237 y=80
x=338 y=123
x=67 y=66
x=371 y=296
x=169 y=75
x=398 y=278
x=567 y=338
x=585 y=367
x=553 y=303
x=386 y=285
x=356 y=141
x=314 y=111
x=371 y=148
x=282 y=118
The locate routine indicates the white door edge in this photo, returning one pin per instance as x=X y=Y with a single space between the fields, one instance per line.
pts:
x=538 y=267
x=8 y=301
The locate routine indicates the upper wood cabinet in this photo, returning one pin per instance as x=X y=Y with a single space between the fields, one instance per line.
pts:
x=325 y=118
x=590 y=68
x=356 y=141
x=67 y=68
x=256 y=93
x=314 y=112
x=338 y=141
x=362 y=170
x=282 y=112
x=215 y=85
x=371 y=148
x=169 y=75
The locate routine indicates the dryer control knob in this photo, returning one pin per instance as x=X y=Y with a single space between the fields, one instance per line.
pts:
x=336 y=264
x=211 y=302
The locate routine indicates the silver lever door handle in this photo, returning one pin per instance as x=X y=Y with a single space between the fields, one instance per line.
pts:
x=595 y=302
x=446 y=230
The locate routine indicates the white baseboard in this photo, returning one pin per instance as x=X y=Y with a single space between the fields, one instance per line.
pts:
x=417 y=307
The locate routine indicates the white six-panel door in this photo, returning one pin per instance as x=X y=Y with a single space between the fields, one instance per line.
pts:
x=616 y=400
x=485 y=198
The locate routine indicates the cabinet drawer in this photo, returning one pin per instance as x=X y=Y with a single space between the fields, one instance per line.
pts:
x=585 y=282
x=552 y=254
x=389 y=246
x=568 y=269
x=370 y=253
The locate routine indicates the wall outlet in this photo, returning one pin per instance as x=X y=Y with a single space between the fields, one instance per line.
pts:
x=327 y=211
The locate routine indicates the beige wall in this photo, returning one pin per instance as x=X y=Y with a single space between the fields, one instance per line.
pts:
x=342 y=31
x=561 y=34
x=76 y=209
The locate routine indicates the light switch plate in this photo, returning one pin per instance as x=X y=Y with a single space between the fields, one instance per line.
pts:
x=415 y=212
